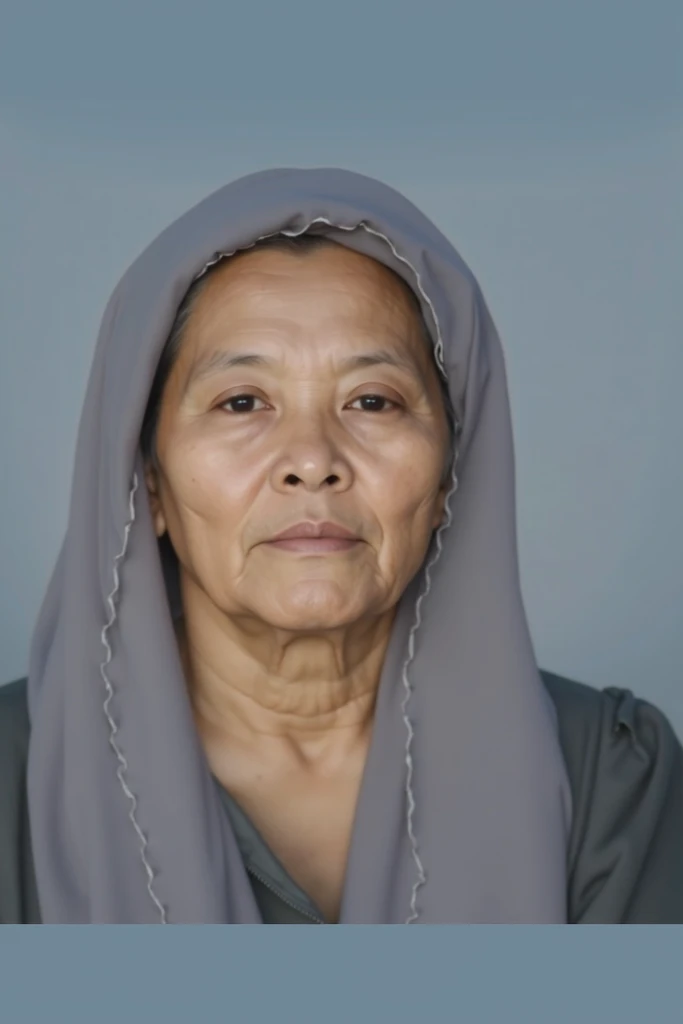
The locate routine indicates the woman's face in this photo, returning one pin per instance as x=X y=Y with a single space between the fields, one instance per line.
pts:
x=303 y=391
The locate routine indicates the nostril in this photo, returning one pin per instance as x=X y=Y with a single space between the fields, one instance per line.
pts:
x=292 y=478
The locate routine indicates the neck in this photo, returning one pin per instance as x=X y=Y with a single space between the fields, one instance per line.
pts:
x=314 y=693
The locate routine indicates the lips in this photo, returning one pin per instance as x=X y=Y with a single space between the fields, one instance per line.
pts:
x=311 y=531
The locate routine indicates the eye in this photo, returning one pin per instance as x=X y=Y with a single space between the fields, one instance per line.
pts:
x=375 y=403
x=241 y=403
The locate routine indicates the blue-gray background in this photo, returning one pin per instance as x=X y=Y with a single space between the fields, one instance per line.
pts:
x=543 y=137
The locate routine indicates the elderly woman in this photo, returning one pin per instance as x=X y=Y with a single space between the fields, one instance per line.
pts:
x=282 y=672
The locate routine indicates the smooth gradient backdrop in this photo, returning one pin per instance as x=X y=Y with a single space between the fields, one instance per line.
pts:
x=543 y=137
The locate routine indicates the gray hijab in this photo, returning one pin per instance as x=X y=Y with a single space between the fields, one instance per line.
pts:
x=464 y=807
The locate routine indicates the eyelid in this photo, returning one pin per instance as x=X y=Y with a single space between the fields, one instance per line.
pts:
x=241 y=390
x=381 y=390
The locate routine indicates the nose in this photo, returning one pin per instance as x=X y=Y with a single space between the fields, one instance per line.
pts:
x=310 y=461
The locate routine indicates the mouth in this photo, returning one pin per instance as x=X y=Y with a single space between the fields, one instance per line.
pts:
x=315 y=538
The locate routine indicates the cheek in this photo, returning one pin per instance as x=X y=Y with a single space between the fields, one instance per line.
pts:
x=210 y=482
x=207 y=497
x=405 y=501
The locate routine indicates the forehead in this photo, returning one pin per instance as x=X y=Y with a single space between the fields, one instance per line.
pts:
x=327 y=284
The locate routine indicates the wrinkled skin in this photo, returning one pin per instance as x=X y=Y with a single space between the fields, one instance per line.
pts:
x=283 y=649
x=304 y=445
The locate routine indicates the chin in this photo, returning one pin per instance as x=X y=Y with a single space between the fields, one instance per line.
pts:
x=297 y=621
x=311 y=612
x=313 y=605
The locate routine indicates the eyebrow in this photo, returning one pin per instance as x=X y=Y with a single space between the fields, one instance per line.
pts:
x=221 y=361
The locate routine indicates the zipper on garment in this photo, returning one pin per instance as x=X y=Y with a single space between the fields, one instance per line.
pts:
x=281 y=896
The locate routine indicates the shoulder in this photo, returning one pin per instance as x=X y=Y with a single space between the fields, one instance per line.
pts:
x=14 y=737
x=607 y=723
x=18 y=899
x=14 y=701
x=625 y=767
x=14 y=725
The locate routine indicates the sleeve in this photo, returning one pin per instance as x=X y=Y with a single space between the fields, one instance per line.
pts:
x=627 y=862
